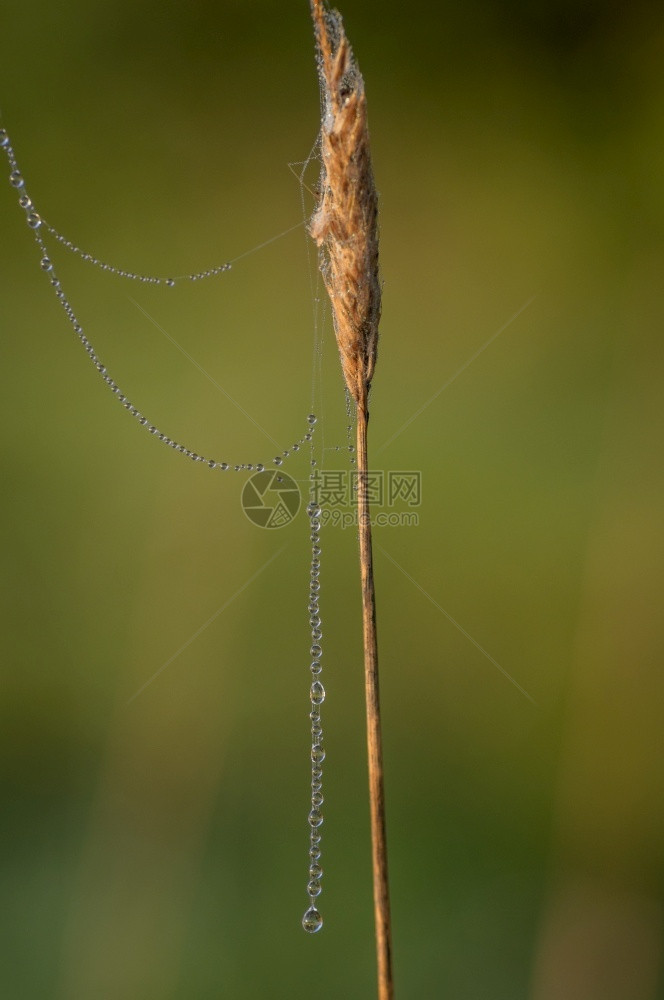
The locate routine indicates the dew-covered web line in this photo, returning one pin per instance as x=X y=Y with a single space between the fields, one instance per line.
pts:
x=312 y=920
x=42 y=230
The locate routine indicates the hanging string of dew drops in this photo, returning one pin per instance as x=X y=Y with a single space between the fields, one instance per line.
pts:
x=312 y=920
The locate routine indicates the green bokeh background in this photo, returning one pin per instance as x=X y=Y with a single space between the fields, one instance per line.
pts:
x=156 y=849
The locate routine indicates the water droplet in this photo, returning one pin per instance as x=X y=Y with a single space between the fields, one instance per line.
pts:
x=314 y=888
x=315 y=818
x=46 y=264
x=25 y=202
x=312 y=920
x=315 y=871
x=316 y=651
x=16 y=179
x=312 y=418
x=170 y=282
x=223 y=466
x=316 y=634
x=4 y=138
x=307 y=437
x=316 y=801
x=34 y=220
x=317 y=693
x=317 y=756
x=260 y=467
x=314 y=853
x=278 y=460
x=316 y=667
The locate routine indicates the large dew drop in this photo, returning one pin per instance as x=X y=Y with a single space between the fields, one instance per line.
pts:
x=315 y=818
x=317 y=693
x=312 y=920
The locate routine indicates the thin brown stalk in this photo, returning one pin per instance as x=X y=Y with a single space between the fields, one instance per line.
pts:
x=374 y=741
x=345 y=227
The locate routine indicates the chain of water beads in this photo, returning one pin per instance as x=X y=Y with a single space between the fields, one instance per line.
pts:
x=312 y=921
x=35 y=222
x=147 y=279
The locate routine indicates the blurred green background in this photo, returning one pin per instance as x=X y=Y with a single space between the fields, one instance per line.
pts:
x=157 y=849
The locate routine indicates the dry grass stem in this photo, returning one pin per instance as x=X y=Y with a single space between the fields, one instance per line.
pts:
x=345 y=227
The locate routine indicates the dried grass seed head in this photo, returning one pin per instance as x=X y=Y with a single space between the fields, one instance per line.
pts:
x=345 y=223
